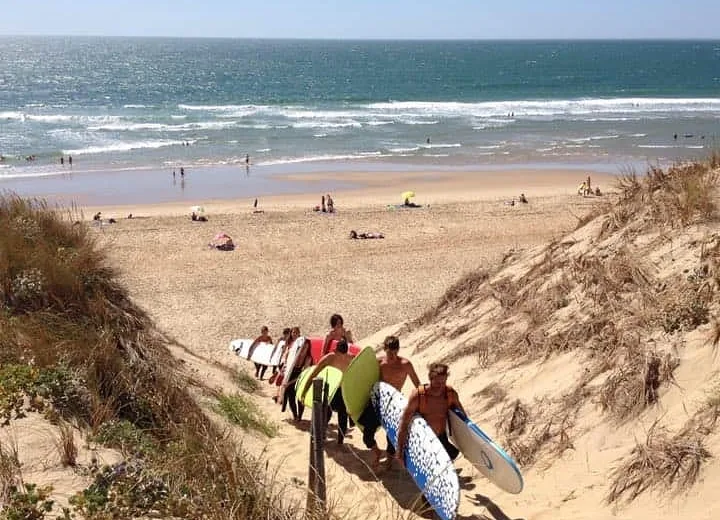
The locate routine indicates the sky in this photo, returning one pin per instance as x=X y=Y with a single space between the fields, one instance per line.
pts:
x=366 y=19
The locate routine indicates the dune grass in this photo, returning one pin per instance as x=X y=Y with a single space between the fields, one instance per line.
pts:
x=621 y=304
x=74 y=346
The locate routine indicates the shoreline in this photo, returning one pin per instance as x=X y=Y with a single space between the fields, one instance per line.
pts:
x=226 y=187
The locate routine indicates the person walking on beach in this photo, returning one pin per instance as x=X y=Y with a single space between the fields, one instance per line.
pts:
x=339 y=359
x=264 y=337
x=394 y=370
x=336 y=333
x=182 y=172
x=247 y=159
x=62 y=161
x=70 y=160
x=287 y=392
x=432 y=402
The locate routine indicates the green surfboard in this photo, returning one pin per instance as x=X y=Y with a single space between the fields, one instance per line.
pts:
x=360 y=376
x=331 y=375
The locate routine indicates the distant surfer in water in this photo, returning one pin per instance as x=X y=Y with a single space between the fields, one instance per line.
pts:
x=432 y=402
x=339 y=359
x=394 y=370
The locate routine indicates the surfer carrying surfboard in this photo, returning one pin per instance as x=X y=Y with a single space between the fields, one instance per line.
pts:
x=339 y=359
x=264 y=337
x=394 y=370
x=337 y=332
x=432 y=402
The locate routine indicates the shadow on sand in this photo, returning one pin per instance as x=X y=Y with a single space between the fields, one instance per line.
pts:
x=492 y=508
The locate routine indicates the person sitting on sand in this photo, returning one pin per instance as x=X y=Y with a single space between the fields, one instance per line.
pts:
x=356 y=235
x=523 y=199
x=222 y=242
x=394 y=370
x=337 y=332
x=97 y=216
x=339 y=359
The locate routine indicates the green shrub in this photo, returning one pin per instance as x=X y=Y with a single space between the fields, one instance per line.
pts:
x=243 y=412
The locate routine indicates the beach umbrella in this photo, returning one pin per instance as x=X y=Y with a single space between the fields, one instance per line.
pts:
x=407 y=195
x=197 y=209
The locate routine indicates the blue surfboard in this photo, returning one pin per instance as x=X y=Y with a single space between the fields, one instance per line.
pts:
x=425 y=457
x=489 y=458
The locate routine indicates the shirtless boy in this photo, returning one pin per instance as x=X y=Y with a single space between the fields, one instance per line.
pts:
x=337 y=332
x=432 y=402
x=394 y=370
x=339 y=359
x=264 y=337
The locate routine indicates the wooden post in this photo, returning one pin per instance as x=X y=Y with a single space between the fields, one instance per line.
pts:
x=316 y=477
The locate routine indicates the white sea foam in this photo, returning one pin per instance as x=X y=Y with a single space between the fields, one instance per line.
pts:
x=440 y=145
x=404 y=150
x=121 y=147
x=326 y=124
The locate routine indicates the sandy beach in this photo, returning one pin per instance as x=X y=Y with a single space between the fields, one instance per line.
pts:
x=293 y=266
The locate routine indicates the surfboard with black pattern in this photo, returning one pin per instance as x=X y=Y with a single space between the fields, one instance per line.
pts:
x=425 y=457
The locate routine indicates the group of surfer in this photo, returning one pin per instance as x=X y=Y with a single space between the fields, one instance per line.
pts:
x=432 y=401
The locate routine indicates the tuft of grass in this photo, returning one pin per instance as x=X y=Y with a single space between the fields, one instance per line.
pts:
x=126 y=437
x=635 y=382
x=65 y=443
x=246 y=382
x=10 y=472
x=494 y=395
x=460 y=293
x=243 y=412
x=671 y=461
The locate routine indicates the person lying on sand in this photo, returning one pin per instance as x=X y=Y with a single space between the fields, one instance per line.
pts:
x=339 y=359
x=394 y=370
x=354 y=235
x=409 y=204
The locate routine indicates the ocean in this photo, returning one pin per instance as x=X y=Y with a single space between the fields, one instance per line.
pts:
x=137 y=104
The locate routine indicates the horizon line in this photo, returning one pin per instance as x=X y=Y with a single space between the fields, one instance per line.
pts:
x=384 y=39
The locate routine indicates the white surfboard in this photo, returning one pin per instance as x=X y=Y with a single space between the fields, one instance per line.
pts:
x=241 y=347
x=292 y=356
x=489 y=458
x=267 y=354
